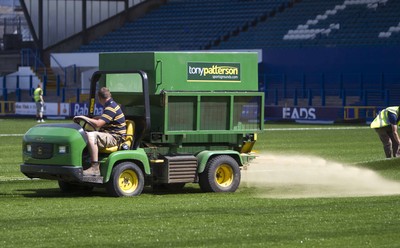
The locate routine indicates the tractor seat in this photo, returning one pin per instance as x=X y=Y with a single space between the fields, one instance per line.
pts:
x=128 y=139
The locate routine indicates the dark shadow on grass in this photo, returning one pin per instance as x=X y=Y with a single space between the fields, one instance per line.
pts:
x=389 y=168
x=167 y=191
x=97 y=192
x=57 y=193
x=385 y=164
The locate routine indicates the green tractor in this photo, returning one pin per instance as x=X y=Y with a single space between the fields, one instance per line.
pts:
x=192 y=117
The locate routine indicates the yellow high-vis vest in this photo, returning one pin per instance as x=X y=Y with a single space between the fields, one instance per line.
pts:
x=37 y=93
x=382 y=119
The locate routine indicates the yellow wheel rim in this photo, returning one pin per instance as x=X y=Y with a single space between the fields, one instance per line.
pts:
x=224 y=175
x=128 y=181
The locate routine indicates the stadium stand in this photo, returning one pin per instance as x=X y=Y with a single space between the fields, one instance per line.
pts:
x=327 y=53
x=336 y=24
x=326 y=23
x=186 y=25
x=189 y=25
x=266 y=25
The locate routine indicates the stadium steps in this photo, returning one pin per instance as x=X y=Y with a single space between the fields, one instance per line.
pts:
x=394 y=94
x=51 y=77
x=374 y=97
x=331 y=101
x=352 y=100
x=83 y=98
x=51 y=84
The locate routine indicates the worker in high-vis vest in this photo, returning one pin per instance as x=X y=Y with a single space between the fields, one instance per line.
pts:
x=38 y=98
x=386 y=125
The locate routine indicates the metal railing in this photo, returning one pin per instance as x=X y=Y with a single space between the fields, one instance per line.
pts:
x=32 y=59
x=358 y=112
x=64 y=74
x=7 y=107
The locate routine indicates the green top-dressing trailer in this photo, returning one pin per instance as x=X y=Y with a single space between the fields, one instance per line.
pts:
x=192 y=117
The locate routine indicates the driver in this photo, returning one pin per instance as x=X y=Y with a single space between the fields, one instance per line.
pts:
x=111 y=126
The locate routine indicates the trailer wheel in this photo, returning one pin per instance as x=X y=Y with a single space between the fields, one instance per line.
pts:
x=126 y=180
x=222 y=174
x=67 y=187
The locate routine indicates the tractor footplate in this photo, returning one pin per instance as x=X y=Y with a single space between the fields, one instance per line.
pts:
x=92 y=179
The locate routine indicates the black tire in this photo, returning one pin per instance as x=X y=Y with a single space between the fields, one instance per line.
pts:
x=67 y=187
x=221 y=174
x=126 y=179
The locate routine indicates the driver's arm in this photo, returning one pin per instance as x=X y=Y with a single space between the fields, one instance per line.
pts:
x=98 y=123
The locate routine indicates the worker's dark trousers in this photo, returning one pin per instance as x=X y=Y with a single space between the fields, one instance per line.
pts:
x=390 y=145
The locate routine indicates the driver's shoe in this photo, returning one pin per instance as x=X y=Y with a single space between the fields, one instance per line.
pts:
x=94 y=170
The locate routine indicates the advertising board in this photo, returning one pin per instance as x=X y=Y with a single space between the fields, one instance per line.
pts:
x=301 y=114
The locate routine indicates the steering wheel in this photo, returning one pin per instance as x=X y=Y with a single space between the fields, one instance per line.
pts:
x=85 y=124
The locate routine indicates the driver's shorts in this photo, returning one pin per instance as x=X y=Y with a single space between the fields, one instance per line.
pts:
x=103 y=139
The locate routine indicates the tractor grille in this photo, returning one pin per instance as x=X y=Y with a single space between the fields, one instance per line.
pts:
x=181 y=169
x=42 y=150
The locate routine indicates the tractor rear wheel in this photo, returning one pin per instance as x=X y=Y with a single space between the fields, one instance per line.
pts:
x=222 y=174
x=126 y=180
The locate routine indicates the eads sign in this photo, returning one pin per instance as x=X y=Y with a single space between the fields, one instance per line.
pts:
x=303 y=113
x=299 y=113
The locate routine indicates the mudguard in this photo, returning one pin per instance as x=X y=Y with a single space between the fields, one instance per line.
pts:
x=138 y=156
x=204 y=156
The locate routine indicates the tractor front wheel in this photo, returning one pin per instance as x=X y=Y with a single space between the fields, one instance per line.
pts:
x=222 y=174
x=126 y=180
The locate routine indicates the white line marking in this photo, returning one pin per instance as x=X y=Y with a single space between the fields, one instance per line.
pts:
x=11 y=135
x=11 y=179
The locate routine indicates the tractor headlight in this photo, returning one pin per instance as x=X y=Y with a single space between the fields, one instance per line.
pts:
x=62 y=149
x=28 y=148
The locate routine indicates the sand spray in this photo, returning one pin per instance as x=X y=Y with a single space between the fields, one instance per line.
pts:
x=296 y=176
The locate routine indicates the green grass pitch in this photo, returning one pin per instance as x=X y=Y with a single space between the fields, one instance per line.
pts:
x=34 y=213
